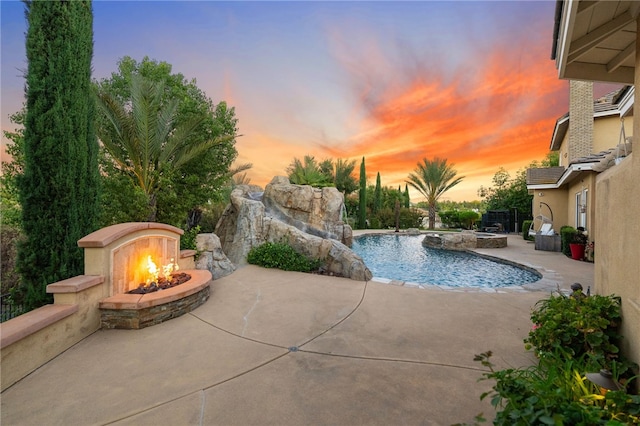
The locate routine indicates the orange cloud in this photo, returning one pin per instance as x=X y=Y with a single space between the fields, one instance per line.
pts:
x=496 y=113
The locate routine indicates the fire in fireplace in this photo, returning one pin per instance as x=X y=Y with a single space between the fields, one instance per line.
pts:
x=124 y=254
x=160 y=278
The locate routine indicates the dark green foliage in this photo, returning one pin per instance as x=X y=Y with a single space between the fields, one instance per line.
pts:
x=526 y=224
x=577 y=326
x=59 y=186
x=567 y=234
x=385 y=219
x=210 y=216
x=281 y=256
x=188 y=239
x=9 y=239
x=507 y=193
x=377 y=195
x=343 y=176
x=362 y=206
x=571 y=336
x=459 y=218
x=407 y=201
x=193 y=183
x=10 y=211
x=309 y=172
x=323 y=174
x=555 y=392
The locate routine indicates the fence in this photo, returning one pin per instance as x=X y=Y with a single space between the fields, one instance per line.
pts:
x=8 y=309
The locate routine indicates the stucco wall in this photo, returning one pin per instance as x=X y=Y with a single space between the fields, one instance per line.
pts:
x=557 y=200
x=585 y=181
x=617 y=251
x=606 y=132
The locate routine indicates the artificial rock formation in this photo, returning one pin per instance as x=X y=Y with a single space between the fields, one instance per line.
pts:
x=212 y=258
x=309 y=219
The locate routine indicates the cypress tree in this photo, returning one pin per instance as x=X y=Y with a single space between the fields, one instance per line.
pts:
x=407 y=201
x=362 y=203
x=59 y=187
x=377 y=195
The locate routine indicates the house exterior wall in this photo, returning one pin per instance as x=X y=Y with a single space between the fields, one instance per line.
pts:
x=617 y=250
x=585 y=181
x=557 y=201
x=606 y=135
x=606 y=132
x=617 y=270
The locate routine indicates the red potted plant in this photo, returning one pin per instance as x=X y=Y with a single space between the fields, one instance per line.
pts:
x=578 y=243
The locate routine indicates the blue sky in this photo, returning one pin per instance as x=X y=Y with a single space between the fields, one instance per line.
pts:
x=394 y=82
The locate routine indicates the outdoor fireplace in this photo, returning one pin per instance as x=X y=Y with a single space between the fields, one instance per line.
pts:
x=132 y=256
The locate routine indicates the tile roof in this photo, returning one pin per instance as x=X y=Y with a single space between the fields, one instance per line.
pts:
x=547 y=175
x=610 y=101
x=602 y=160
x=598 y=162
x=606 y=105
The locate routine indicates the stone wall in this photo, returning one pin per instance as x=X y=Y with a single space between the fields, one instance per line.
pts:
x=146 y=317
x=461 y=241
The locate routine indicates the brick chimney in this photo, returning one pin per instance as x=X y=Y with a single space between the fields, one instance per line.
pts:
x=580 y=119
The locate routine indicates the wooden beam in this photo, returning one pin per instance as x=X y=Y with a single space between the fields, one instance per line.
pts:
x=589 y=41
x=621 y=57
x=595 y=72
x=583 y=6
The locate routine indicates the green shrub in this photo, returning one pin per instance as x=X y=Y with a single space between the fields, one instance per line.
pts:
x=375 y=223
x=281 y=256
x=526 y=224
x=571 y=336
x=577 y=326
x=9 y=239
x=188 y=239
x=555 y=392
x=410 y=218
x=567 y=234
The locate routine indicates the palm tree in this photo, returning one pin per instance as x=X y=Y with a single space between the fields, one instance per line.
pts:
x=343 y=177
x=432 y=179
x=308 y=172
x=142 y=139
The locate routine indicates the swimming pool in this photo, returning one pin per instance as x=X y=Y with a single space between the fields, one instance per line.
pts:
x=404 y=258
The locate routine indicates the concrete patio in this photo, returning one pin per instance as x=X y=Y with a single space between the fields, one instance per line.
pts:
x=284 y=348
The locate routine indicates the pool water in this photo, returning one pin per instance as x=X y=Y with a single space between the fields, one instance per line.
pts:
x=404 y=258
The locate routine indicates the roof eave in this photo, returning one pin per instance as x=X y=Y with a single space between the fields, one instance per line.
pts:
x=626 y=102
x=569 y=175
x=559 y=132
x=569 y=12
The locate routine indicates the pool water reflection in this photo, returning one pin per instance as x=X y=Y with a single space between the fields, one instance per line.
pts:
x=404 y=258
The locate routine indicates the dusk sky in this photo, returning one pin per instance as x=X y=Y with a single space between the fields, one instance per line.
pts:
x=393 y=82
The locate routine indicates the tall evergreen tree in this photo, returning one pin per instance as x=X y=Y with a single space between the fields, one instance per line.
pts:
x=407 y=201
x=362 y=204
x=377 y=195
x=59 y=187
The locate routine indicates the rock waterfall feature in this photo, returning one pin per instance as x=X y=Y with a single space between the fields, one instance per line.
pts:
x=307 y=218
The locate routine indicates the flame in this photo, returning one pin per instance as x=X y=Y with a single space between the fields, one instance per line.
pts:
x=164 y=271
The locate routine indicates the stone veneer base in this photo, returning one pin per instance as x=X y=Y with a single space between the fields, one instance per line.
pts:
x=135 y=311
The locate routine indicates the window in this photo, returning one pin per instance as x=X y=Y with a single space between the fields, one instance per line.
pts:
x=581 y=208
